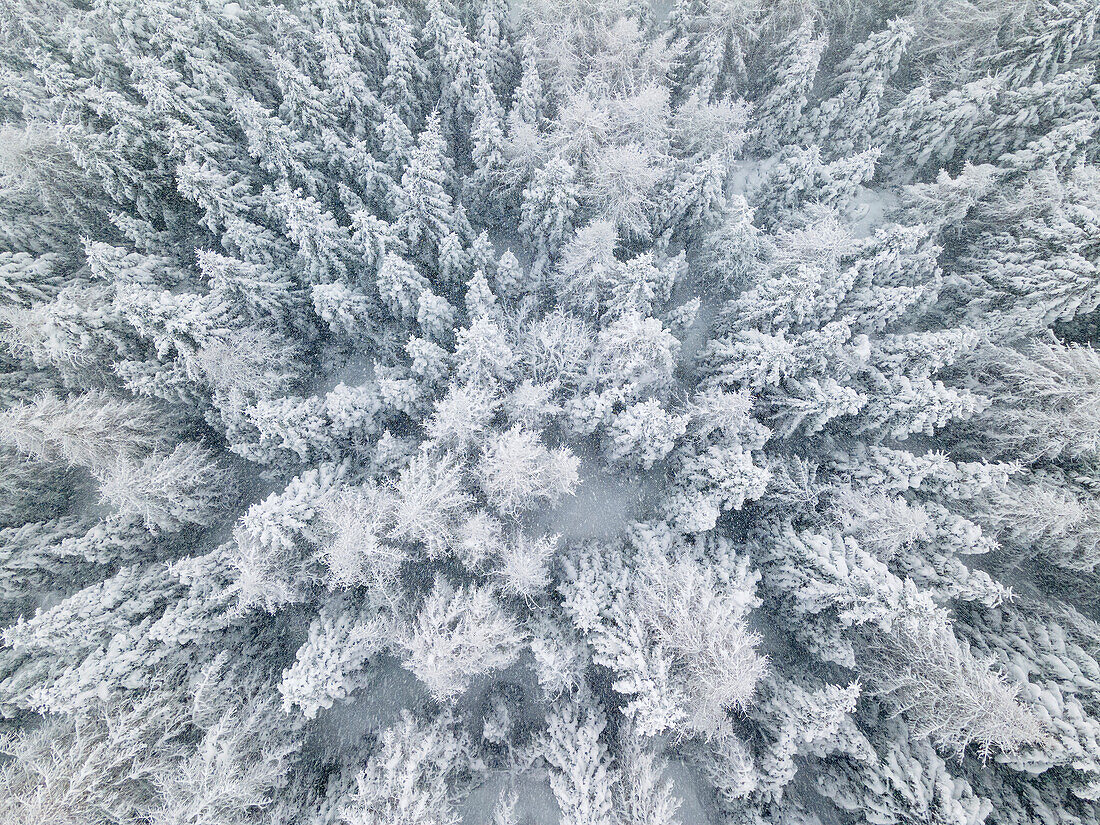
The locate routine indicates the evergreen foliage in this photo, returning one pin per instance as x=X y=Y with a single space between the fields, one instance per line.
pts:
x=605 y=412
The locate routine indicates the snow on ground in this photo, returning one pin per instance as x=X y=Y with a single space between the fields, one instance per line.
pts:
x=603 y=506
x=374 y=707
x=536 y=804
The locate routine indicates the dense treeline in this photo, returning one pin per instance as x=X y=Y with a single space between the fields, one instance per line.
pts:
x=588 y=411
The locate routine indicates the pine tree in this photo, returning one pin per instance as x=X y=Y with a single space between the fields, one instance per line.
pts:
x=860 y=83
x=405 y=73
x=778 y=114
x=90 y=430
x=425 y=212
x=456 y=636
x=168 y=491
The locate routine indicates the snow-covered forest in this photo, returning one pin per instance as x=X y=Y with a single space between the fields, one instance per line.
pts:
x=596 y=412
